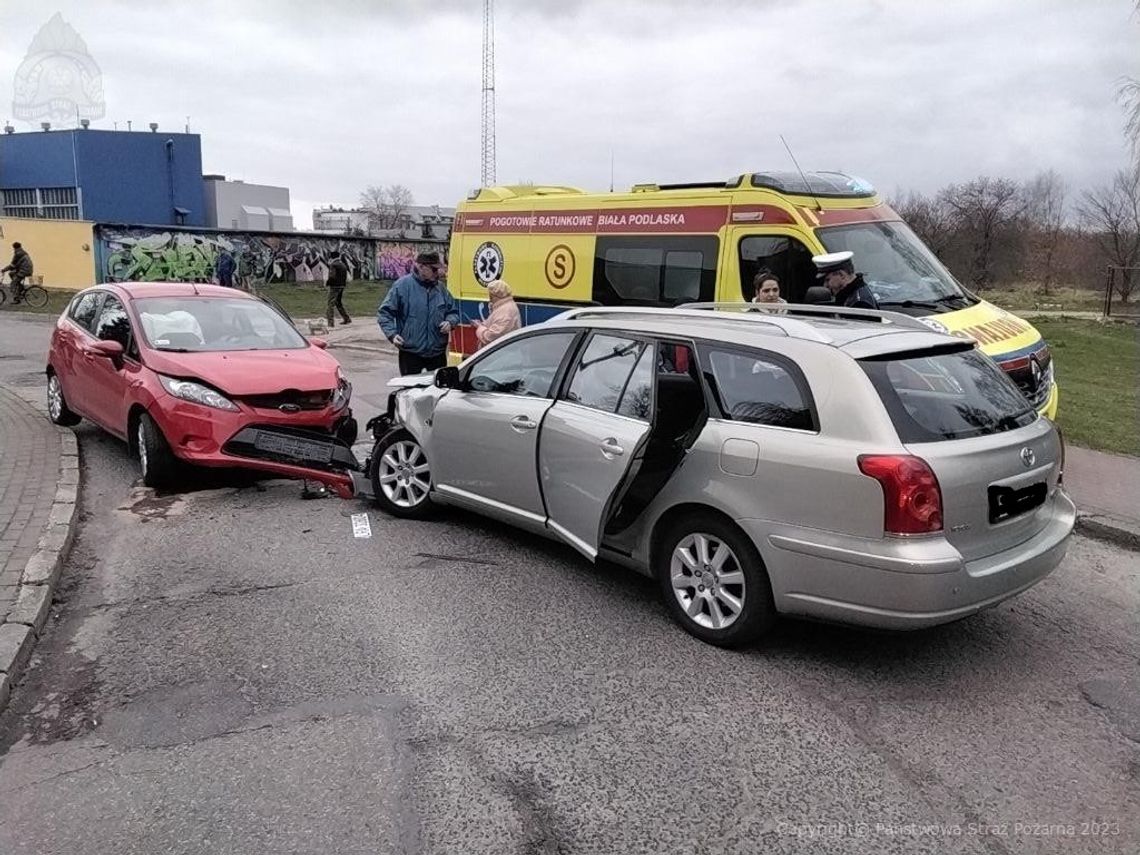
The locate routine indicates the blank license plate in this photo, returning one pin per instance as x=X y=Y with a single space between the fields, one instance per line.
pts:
x=295 y=447
x=1006 y=502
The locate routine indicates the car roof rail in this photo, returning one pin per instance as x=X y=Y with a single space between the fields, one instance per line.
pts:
x=882 y=316
x=789 y=327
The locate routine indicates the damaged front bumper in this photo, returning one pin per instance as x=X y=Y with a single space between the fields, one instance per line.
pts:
x=298 y=453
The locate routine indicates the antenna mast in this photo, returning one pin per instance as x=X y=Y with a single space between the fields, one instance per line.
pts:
x=807 y=186
x=488 y=173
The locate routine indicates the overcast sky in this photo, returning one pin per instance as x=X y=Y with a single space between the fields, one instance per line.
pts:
x=325 y=98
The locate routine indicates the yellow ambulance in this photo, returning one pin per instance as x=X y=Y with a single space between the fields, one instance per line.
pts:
x=666 y=244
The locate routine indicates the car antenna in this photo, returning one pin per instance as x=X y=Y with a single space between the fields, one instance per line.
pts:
x=807 y=186
x=194 y=285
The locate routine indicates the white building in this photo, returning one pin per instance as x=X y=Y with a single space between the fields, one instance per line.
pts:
x=252 y=207
x=416 y=222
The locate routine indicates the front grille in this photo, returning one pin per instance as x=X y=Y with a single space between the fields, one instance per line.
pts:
x=290 y=398
x=1035 y=386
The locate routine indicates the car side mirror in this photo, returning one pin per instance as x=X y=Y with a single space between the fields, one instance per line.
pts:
x=448 y=378
x=112 y=350
x=317 y=342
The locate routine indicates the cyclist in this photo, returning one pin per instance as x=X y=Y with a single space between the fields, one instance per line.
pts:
x=21 y=268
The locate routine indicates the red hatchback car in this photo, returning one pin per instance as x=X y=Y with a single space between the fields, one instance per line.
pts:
x=201 y=374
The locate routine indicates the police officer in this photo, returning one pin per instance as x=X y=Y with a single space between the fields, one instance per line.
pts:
x=837 y=272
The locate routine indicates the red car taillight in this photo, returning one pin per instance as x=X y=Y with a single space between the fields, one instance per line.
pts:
x=912 y=497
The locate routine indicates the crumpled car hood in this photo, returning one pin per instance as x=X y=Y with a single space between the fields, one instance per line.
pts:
x=251 y=372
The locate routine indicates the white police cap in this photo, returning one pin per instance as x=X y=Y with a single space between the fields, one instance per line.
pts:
x=830 y=261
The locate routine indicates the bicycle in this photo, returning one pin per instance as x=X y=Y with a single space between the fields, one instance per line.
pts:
x=34 y=296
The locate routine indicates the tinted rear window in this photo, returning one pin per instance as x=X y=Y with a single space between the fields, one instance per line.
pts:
x=942 y=396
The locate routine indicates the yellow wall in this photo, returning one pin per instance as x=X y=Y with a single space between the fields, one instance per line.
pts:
x=62 y=251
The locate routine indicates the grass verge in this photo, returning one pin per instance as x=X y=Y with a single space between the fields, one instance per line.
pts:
x=1098 y=370
x=1058 y=299
x=361 y=298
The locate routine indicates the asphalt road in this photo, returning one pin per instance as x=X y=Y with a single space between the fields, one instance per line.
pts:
x=230 y=670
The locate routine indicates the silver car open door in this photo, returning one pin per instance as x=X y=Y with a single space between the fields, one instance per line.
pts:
x=591 y=436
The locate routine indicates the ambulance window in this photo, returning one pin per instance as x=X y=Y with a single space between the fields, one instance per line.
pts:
x=634 y=273
x=682 y=277
x=784 y=256
x=655 y=271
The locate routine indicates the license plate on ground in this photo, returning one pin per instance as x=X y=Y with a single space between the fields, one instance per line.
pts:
x=1006 y=502
x=295 y=447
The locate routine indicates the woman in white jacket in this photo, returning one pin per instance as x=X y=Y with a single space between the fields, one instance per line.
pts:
x=504 y=316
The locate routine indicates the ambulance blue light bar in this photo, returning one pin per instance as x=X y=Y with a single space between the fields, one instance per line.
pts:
x=829 y=185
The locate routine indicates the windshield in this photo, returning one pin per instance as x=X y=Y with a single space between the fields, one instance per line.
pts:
x=897 y=266
x=192 y=324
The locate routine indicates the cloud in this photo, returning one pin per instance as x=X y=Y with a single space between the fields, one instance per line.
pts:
x=327 y=98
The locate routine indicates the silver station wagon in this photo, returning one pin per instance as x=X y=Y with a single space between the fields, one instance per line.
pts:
x=838 y=464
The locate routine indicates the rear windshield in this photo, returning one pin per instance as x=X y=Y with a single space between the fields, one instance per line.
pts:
x=956 y=395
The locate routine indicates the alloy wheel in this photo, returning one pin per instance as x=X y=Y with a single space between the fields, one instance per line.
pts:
x=55 y=398
x=405 y=475
x=707 y=580
x=142 y=449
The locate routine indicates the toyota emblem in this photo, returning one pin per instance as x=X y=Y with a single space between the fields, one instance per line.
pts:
x=1028 y=457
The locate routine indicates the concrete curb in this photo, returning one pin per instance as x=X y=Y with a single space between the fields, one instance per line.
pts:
x=1119 y=532
x=24 y=624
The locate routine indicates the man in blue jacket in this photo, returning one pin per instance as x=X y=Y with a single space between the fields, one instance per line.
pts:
x=418 y=315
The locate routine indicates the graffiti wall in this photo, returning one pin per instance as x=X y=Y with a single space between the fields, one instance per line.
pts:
x=153 y=254
x=394 y=258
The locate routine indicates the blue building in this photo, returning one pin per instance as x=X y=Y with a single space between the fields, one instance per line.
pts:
x=139 y=177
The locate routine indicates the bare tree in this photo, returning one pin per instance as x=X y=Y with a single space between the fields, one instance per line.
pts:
x=1045 y=208
x=983 y=209
x=1129 y=95
x=929 y=217
x=1112 y=214
x=387 y=207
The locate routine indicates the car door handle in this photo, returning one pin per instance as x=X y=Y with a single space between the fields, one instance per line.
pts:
x=521 y=423
x=611 y=448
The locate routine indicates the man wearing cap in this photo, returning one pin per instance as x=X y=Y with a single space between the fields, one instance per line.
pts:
x=418 y=315
x=837 y=272
x=21 y=267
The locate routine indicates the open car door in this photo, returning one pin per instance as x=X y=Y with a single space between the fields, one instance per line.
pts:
x=593 y=434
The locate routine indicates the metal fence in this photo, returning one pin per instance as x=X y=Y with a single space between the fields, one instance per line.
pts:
x=1119 y=281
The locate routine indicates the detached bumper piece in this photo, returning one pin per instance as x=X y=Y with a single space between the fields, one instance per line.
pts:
x=294 y=447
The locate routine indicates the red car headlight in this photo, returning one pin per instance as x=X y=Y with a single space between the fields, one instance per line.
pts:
x=342 y=393
x=197 y=393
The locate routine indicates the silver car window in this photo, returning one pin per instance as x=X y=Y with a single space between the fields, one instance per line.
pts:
x=637 y=400
x=938 y=396
x=603 y=372
x=524 y=366
x=752 y=388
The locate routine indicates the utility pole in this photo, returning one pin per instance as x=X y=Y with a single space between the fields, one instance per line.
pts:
x=488 y=172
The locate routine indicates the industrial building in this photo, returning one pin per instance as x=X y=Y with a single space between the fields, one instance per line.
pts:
x=241 y=205
x=415 y=222
x=104 y=176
